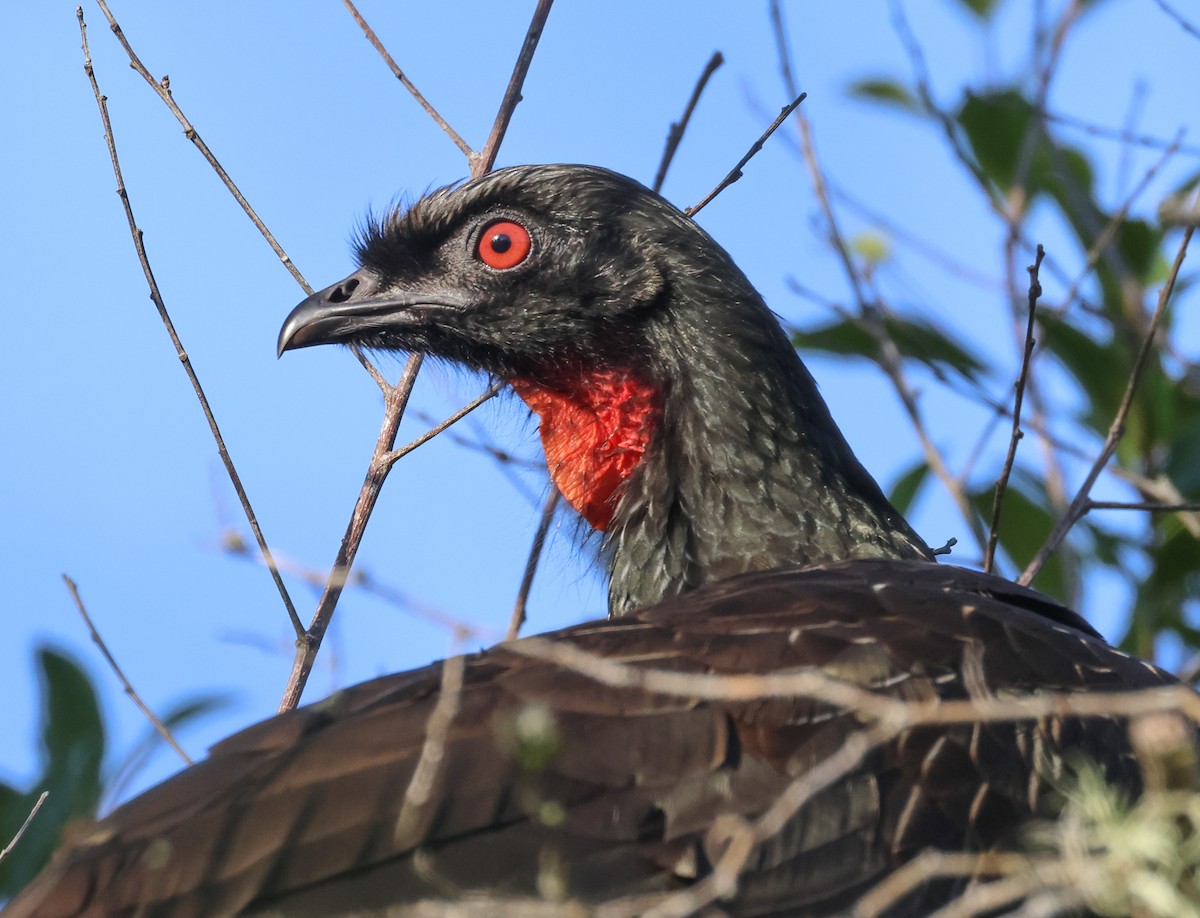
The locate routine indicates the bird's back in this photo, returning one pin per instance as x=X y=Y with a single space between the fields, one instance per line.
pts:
x=572 y=777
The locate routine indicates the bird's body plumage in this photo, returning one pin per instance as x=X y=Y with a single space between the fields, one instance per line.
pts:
x=298 y=815
x=743 y=538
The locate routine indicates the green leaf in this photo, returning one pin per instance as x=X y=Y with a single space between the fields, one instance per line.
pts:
x=1183 y=456
x=1011 y=146
x=72 y=752
x=914 y=338
x=907 y=486
x=843 y=336
x=1138 y=244
x=1099 y=368
x=885 y=91
x=73 y=732
x=995 y=126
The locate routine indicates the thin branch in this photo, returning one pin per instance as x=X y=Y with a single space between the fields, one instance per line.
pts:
x=408 y=84
x=891 y=712
x=395 y=400
x=954 y=139
x=1183 y=23
x=988 y=898
x=480 y=444
x=736 y=172
x=25 y=825
x=742 y=837
x=531 y=564
x=808 y=150
x=1035 y=291
x=1117 y=429
x=163 y=89
x=1114 y=224
x=890 y=359
x=675 y=134
x=396 y=454
x=1123 y=135
x=932 y=253
x=932 y=864
x=889 y=717
x=158 y=725
x=416 y=812
x=160 y=305
x=1148 y=505
x=482 y=163
x=233 y=544
x=1137 y=103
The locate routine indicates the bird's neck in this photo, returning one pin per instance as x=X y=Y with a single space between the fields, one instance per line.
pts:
x=596 y=427
x=715 y=457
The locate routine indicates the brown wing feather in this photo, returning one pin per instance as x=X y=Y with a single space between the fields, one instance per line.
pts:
x=297 y=815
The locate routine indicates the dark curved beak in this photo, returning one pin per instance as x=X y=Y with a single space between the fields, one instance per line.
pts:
x=352 y=309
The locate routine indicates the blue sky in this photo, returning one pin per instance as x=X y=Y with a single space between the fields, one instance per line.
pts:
x=109 y=472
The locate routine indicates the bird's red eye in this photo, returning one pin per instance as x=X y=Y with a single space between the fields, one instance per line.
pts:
x=504 y=244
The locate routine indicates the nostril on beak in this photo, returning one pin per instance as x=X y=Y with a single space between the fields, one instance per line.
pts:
x=344 y=290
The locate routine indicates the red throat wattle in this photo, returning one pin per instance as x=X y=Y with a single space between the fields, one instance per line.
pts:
x=595 y=428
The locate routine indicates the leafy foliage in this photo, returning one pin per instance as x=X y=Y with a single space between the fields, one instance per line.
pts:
x=1011 y=149
x=915 y=338
x=74 y=742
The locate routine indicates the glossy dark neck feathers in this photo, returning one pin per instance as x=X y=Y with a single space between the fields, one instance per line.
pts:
x=743 y=469
x=748 y=470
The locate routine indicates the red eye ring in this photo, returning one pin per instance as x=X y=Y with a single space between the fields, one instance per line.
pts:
x=503 y=245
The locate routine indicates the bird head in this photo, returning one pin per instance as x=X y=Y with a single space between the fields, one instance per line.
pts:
x=519 y=273
x=674 y=412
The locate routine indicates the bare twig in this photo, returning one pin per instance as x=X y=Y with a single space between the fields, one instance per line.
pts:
x=1137 y=102
x=890 y=712
x=929 y=864
x=1035 y=291
x=675 y=134
x=136 y=234
x=1117 y=429
x=808 y=149
x=736 y=172
x=408 y=84
x=158 y=725
x=988 y=898
x=163 y=89
x=362 y=579
x=743 y=837
x=491 y=392
x=1114 y=224
x=395 y=399
x=531 y=564
x=921 y=246
x=1183 y=23
x=1148 y=505
x=416 y=811
x=25 y=825
x=481 y=444
x=954 y=140
x=889 y=359
x=1122 y=135
x=482 y=162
